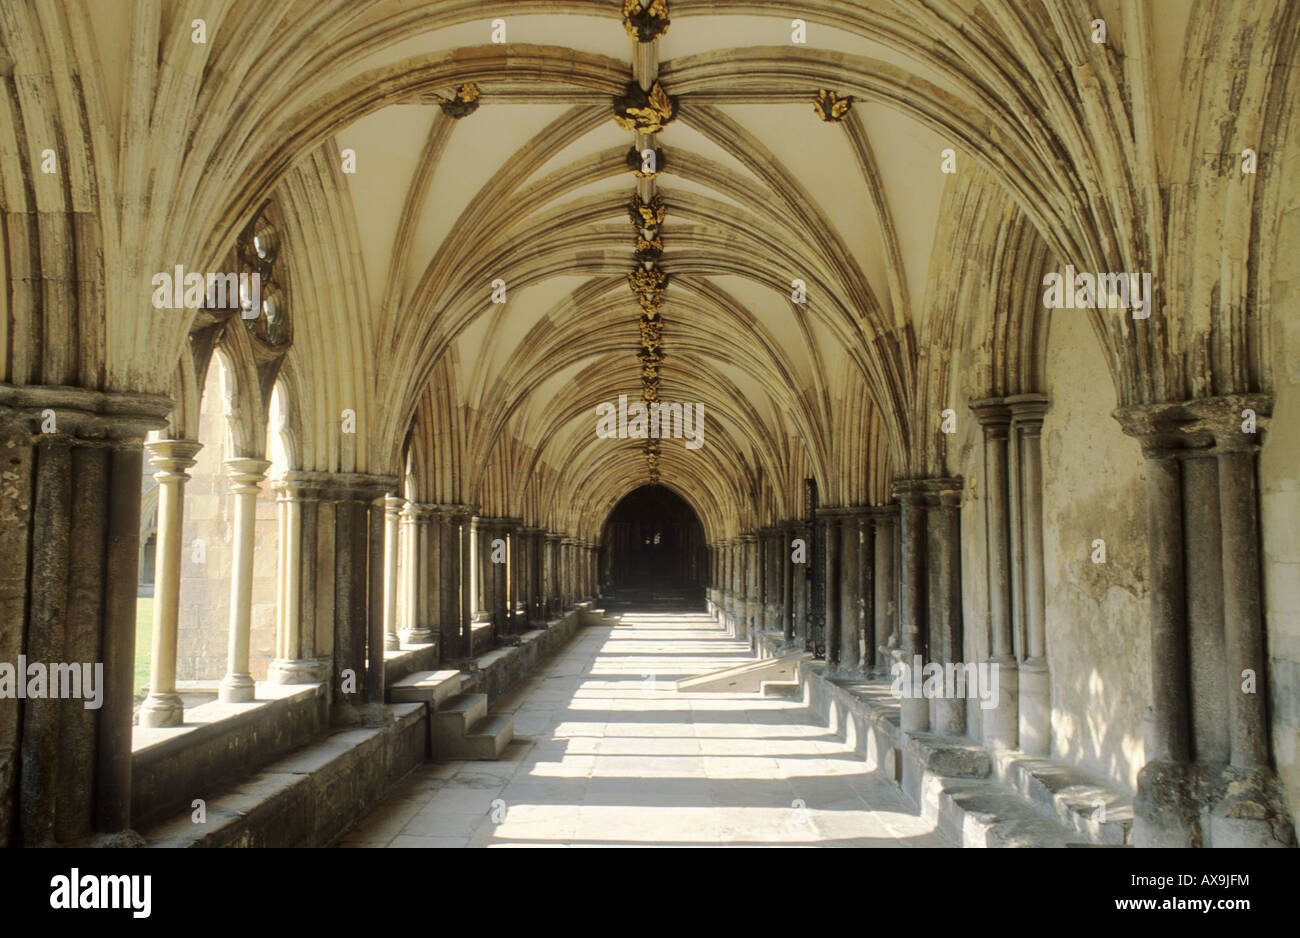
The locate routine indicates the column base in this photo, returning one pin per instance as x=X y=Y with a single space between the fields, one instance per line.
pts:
x=950 y=716
x=298 y=671
x=160 y=710
x=237 y=688
x=1001 y=723
x=1182 y=804
x=418 y=637
x=392 y=643
x=1035 y=708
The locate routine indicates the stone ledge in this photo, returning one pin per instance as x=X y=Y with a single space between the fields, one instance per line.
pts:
x=974 y=795
x=1070 y=795
x=311 y=797
x=497 y=671
x=170 y=766
x=408 y=660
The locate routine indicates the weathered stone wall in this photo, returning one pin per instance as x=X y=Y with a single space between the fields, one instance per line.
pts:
x=1279 y=481
x=1097 y=614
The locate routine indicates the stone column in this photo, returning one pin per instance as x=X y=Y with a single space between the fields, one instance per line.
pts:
x=447 y=520
x=1187 y=796
x=500 y=583
x=867 y=599
x=1027 y=412
x=423 y=561
x=536 y=546
x=550 y=582
x=171 y=457
x=913 y=621
x=886 y=588
x=381 y=590
x=69 y=565
x=245 y=478
x=304 y=611
x=358 y=591
x=834 y=630
x=464 y=519
x=849 y=592
x=483 y=579
x=945 y=557
x=787 y=566
x=393 y=523
x=1001 y=726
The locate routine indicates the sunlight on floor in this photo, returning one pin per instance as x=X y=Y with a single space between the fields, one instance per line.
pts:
x=610 y=754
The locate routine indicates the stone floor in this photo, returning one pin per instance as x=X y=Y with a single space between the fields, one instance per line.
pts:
x=608 y=753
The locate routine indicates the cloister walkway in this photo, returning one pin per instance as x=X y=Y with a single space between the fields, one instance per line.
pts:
x=608 y=753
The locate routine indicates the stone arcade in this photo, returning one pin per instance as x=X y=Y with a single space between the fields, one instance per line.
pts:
x=355 y=534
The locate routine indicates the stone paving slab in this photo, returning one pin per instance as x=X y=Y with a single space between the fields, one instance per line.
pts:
x=611 y=755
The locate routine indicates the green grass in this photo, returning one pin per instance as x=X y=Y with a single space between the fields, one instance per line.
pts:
x=143 y=638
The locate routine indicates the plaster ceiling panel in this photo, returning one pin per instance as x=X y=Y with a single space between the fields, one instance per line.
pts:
x=821 y=160
x=909 y=159
x=590 y=34
x=706 y=34
x=387 y=145
x=479 y=145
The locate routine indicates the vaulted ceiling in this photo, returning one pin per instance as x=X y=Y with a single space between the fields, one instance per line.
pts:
x=398 y=215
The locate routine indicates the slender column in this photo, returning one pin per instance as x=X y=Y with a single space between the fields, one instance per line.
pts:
x=788 y=567
x=1035 y=687
x=245 y=478
x=381 y=591
x=464 y=519
x=834 y=626
x=552 y=543
x=300 y=655
x=849 y=592
x=447 y=518
x=1239 y=501
x=483 y=604
x=1001 y=723
x=422 y=561
x=867 y=578
x=163 y=706
x=393 y=523
x=913 y=625
x=950 y=712
x=886 y=635
x=499 y=565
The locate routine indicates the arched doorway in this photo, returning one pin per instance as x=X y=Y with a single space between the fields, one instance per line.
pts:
x=653 y=541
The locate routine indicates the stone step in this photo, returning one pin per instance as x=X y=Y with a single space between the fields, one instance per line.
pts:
x=1090 y=809
x=490 y=737
x=433 y=687
x=980 y=813
x=458 y=714
x=781 y=689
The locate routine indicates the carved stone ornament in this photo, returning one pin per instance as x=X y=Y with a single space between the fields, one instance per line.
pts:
x=644 y=112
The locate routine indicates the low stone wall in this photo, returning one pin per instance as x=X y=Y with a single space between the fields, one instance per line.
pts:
x=503 y=668
x=868 y=724
x=172 y=766
x=312 y=797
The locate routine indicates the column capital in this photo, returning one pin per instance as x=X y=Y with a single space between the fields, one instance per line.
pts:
x=1028 y=410
x=994 y=415
x=121 y=417
x=553 y=537
x=1192 y=427
x=358 y=486
x=172 y=457
x=297 y=485
x=246 y=474
x=929 y=492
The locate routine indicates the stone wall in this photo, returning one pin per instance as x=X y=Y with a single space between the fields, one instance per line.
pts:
x=1279 y=481
x=1097 y=613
